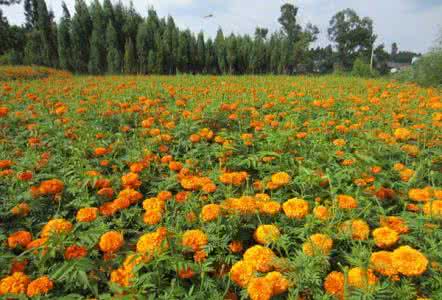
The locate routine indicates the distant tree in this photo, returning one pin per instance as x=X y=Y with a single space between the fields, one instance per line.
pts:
x=130 y=61
x=394 y=49
x=221 y=51
x=381 y=58
x=113 y=54
x=64 y=40
x=261 y=33
x=352 y=35
x=289 y=23
x=97 y=55
x=81 y=29
x=200 y=53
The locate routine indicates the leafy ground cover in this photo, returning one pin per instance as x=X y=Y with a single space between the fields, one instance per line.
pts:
x=198 y=187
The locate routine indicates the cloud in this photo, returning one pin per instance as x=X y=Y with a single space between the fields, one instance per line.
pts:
x=413 y=24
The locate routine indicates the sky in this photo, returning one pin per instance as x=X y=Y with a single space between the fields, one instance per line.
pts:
x=413 y=24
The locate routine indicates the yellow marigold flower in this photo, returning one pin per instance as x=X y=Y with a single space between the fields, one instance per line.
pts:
x=420 y=195
x=347 y=202
x=433 y=208
x=385 y=237
x=406 y=174
x=19 y=238
x=360 y=278
x=295 y=208
x=409 y=261
x=266 y=234
x=152 y=217
x=339 y=142
x=269 y=207
x=382 y=262
x=242 y=272
x=279 y=283
x=39 y=286
x=334 y=284
x=281 y=178
x=153 y=204
x=358 y=229
x=318 y=243
x=88 y=214
x=321 y=212
x=402 y=134
x=195 y=239
x=260 y=257
x=210 y=212
x=111 y=242
x=260 y=288
x=57 y=226
x=14 y=284
x=153 y=243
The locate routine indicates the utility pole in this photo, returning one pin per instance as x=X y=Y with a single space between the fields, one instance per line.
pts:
x=371 y=59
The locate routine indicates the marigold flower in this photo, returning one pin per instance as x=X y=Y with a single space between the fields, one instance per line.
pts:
x=57 y=226
x=195 y=239
x=358 y=229
x=269 y=207
x=186 y=273
x=111 y=242
x=152 y=243
x=266 y=234
x=295 y=208
x=334 y=284
x=242 y=272
x=260 y=257
x=433 y=208
x=88 y=214
x=74 y=252
x=409 y=261
x=235 y=246
x=19 y=238
x=347 y=202
x=15 y=284
x=39 y=286
x=122 y=276
x=21 y=210
x=361 y=278
x=382 y=262
x=279 y=283
x=420 y=195
x=51 y=187
x=385 y=237
x=281 y=178
x=395 y=223
x=321 y=212
x=260 y=288
x=210 y=212
x=318 y=243
x=402 y=134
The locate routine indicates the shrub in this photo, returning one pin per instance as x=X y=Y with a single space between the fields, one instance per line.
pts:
x=428 y=69
x=362 y=69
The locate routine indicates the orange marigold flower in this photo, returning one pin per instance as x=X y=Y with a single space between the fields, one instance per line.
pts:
x=87 y=214
x=39 y=286
x=318 y=243
x=56 y=226
x=402 y=134
x=420 y=195
x=235 y=246
x=409 y=261
x=152 y=216
x=358 y=229
x=111 y=241
x=360 y=278
x=21 y=210
x=186 y=273
x=108 y=208
x=131 y=180
x=122 y=276
x=260 y=288
x=266 y=234
x=279 y=283
x=153 y=243
x=260 y=257
x=25 y=176
x=51 y=187
x=210 y=212
x=295 y=208
x=15 y=284
x=347 y=202
x=74 y=252
x=269 y=207
x=19 y=238
x=321 y=212
x=195 y=239
x=396 y=223
x=334 y=284
x=385 y=237
x=242 y=272
x=382 y=262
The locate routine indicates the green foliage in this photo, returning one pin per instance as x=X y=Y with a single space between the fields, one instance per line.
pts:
x=362 y=69
x=428 y=69
x=113 y=54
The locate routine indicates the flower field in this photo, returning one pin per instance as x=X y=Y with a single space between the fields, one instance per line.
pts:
x=199 y=187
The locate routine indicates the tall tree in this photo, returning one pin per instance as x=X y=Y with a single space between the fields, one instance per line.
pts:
x=113 y=53
x=64 y=40
x=48 y=37
x=130 y=61
x=97 y=54
x=81 y=29
x=221 y=52
x=352 y=35
x=394 y=49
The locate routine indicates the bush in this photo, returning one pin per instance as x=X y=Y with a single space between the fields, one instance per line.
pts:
x=362 y=69
x=428 y=69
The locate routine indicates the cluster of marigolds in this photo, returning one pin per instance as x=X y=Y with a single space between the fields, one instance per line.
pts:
x=260 y=267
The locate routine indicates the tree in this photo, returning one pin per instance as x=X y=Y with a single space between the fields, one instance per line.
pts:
x=394 y=49
x=130 y=62
x=30 y=7
x=143 y=47
x=97 y=54
x=113 y=54
x=64 y=40
x=381 y=58
x=352 y=35
x=81 y=29
x=288 y=22
x=200 y=53
x=221 y=52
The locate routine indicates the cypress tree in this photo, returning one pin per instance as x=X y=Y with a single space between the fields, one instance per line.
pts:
x=81 y=29
x=97 y=55
x=64 y=40
x=113 y=54
x=130 y=63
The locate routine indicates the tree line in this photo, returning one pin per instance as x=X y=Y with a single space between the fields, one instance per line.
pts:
x=104 y=37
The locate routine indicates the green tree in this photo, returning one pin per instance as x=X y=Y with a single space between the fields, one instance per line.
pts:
x=48 y=37
x=130 y=62
x=64 y=40
x=352 y=35
x=221 y=52
x=113 y=54
x=97 y=54
x=81 y=29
